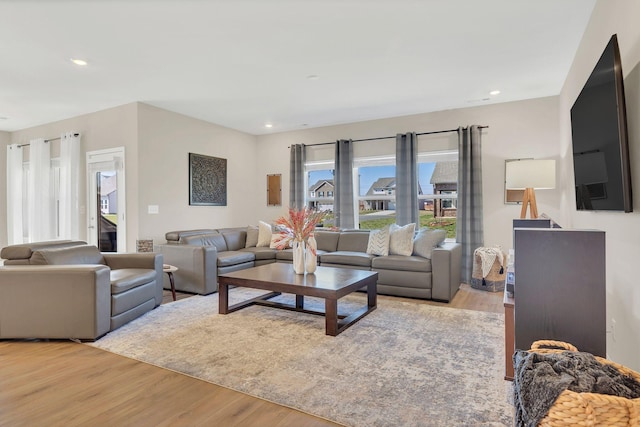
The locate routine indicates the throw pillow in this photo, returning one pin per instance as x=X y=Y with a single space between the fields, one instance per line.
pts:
x=252 y=236
x=426 y=240
x=379 y=242
x=401 y=239
x=264 y=234
x=275 y=238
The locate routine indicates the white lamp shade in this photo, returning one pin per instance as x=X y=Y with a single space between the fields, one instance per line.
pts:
x=536 y=174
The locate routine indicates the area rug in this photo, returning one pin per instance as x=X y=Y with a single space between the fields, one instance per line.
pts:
x=405 y=364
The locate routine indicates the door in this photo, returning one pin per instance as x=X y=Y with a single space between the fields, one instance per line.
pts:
x=106 y=200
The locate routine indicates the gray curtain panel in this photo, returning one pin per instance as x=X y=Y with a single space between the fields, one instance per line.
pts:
x=343 y=196
x=407 y=179
x=469 y=231
x=296 y=177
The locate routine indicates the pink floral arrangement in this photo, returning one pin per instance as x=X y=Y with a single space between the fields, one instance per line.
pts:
x=299 y=226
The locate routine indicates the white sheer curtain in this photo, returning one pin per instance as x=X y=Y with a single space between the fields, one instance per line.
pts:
x=41 y=217
x=69 y=185
x=14 y=194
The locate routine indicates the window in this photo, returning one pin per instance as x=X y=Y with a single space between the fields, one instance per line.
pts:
x=375 y=186
x=438 y=183
x=55 y=195
x=376 y=192
x=104 y=205
x=320 y=185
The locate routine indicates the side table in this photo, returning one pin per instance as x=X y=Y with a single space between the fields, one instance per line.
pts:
x=170 y=269
x=509 y=335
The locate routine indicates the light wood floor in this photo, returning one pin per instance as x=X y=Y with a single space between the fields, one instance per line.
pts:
x=62 y=383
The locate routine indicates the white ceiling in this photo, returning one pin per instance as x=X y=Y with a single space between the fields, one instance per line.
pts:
x=244 y=63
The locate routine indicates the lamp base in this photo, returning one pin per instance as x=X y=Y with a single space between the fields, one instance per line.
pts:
x=529 y=200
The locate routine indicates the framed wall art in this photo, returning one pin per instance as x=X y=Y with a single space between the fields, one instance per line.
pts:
x=273 y=190
x=207 y=180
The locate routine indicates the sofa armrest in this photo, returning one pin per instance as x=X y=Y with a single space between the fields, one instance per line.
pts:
x=55 y=301
x=133 y=260
x=446 y=261
x=197 y=267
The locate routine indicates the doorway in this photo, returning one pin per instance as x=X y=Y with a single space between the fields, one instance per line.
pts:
x=106 y=200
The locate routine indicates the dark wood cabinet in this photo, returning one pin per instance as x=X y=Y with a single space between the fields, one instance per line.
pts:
x=560 y=290
x=509 y=336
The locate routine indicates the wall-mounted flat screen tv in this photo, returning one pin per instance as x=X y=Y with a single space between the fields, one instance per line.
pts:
x=599 y=133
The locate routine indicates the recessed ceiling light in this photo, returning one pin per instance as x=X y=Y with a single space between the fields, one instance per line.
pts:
x=494 y=92
x=268 y=125
x=313 y=77
x=80 y=62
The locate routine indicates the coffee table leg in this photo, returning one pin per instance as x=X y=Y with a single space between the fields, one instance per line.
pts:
x=372 y=294
x=173 y=285
x=299 y=302
x=331 y=316
x=223 y=298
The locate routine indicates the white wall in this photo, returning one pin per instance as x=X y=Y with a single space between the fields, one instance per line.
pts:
x=5 y=138
x=157 y=145
x=165 y=141
x=516 y=130
x=114 y=127
x=622 y=230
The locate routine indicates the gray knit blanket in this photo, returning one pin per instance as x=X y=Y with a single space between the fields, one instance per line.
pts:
x=541 y=378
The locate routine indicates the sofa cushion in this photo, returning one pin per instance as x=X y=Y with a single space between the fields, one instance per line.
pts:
x=128 y=278
x=212 y=239
x=176 y=236
x=401 y=262
x=327 y=240
x=379 y=242
x=426 y=240
x=252 y=237
x=235 y=240
x=353 y=241
x=361 y=259
x=84 y=254
x=264 y=234
x=261 y=253
x=287 y=254
x=401 y=239
x=228 y=258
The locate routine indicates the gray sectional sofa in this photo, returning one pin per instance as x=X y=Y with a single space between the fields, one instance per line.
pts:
x=202 y=254
x=70 y=290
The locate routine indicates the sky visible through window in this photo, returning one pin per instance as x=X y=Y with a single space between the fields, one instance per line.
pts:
x=369 y=175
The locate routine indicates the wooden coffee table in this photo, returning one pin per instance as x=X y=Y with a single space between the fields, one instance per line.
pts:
x=328 y=283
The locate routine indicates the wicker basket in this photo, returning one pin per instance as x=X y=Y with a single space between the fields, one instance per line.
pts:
x=494 y=282
x=589 y=409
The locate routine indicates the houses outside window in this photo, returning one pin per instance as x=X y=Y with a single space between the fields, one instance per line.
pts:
x=104 y=205
x=320 y=194
x=375 y=189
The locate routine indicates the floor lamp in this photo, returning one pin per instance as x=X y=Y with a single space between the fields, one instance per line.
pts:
x=530 y=175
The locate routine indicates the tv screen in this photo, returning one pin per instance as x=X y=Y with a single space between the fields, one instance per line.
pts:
x=599 y=133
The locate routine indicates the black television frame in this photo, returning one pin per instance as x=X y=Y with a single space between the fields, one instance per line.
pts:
x=623 y=138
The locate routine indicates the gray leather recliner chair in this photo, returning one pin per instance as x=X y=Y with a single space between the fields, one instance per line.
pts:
x=74 y=291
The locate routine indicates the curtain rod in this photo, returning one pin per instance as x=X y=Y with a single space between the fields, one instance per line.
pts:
x=391 y=137
x=46 y=140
